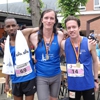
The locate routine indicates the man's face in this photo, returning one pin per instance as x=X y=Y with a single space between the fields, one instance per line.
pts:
x=11 y=27
x=72 y=28
x=48 y=20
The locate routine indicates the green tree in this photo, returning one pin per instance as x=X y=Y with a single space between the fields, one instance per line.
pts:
x=35 y=10
x=70 y=7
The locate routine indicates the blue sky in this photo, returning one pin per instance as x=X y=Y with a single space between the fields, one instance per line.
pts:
x=9 y=1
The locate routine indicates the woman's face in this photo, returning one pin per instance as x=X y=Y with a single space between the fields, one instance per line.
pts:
x=48 y=20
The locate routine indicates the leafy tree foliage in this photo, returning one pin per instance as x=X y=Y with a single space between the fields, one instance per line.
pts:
x=70 y=7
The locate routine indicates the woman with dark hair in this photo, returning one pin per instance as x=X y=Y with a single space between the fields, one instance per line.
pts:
x=47 y=53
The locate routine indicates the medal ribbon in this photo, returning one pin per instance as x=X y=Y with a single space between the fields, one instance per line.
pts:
x=47 y=44
x=76 y=52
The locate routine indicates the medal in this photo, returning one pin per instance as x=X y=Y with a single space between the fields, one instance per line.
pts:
x=47 y=57
x=47 y=46
x=78 y=64
x=76 y=48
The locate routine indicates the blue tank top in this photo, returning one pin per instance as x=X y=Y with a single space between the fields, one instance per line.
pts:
x=85 y=58
x=22 y=78
x=51 y=67
x=98 y=51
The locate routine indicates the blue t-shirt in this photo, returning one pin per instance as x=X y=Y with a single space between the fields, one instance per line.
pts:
x=22 y=78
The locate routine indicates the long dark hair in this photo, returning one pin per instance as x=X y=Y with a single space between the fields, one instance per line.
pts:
x=40 y=35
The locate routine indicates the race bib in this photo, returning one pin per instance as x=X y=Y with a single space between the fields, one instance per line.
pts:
x=74 y=71
x=72 y=94
x=23 y=69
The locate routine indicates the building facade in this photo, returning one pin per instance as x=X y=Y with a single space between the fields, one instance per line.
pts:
x=90 y=12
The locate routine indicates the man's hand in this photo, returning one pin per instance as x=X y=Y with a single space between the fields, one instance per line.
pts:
x=93 y=42
x=96 y=86
x=3 y=45
x=6 y=88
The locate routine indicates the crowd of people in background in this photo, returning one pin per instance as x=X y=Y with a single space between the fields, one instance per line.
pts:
x=98 y=51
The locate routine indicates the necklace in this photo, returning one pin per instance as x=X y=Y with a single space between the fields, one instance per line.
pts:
x=47 y=46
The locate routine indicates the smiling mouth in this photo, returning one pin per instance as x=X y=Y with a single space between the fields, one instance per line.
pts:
x=48 y=25
x=72 y=33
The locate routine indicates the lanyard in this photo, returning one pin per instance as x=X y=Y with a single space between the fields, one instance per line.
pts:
x=47 y=44
x=76 y=52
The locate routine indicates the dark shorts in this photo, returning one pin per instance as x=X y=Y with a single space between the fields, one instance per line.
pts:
x=28 y=88
x=87 y=94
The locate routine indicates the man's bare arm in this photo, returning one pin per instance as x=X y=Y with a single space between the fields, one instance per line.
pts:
x=95 y=63
x=7 y=83
x=28 y=31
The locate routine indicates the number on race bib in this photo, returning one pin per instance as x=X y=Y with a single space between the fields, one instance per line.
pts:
x=75 y=71
x=23 y=70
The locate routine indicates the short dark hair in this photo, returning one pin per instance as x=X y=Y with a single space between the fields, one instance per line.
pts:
x=9 y=17
x=73 y=18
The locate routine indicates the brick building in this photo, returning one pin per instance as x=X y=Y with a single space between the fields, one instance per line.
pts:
x=88 y=12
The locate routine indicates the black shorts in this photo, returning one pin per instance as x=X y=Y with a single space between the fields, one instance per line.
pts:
x=28 y=88
x=87 y=94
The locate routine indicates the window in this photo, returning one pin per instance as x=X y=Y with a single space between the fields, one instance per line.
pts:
x=96 y=4
x=82 y=7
